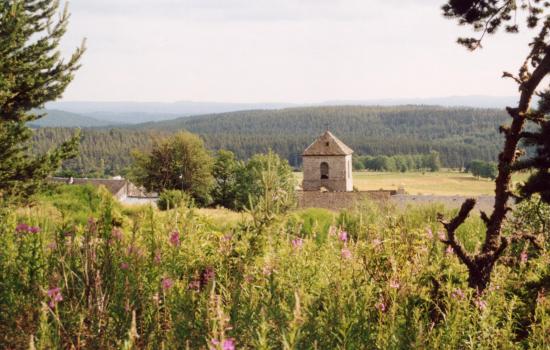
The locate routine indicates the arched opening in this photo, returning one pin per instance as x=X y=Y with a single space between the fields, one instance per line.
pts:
x=324 y=171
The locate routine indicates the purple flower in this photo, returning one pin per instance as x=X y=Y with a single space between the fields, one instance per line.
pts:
x=481 y=304
x=345 y=253
x=124 y=266
x=194 y=285
x=22 y=228
x=381 y=306
x=167 y=283
x=175 y=238
x=458 y=294
x=523 y=257
x=116 y=234
x=297 y=243
x=394 y=284
x=343 y=236
x=228 y=344
x=207 y=275
x=55 y=296
x=34 y=229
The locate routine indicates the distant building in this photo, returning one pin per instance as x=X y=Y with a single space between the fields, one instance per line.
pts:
x=327 y=164
x=121 y=189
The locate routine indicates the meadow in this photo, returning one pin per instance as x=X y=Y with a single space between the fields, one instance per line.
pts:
x=443 y=183
x=79 y=270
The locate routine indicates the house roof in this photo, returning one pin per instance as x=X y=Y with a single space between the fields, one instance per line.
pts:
x=327 y=145
x=114 y=186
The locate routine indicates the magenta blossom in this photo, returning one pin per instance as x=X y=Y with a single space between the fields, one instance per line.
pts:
x=116 y=234
x=297 y=243
x=158 y=257
x=228 y=344
x=55 y=296
x=394 y=284
x=458 y=294
x=523 y=257
x=194 y=285
x=175 y=238
x=345 y=253
x=343 y=236
x=167 y=283
x=124 y=266
x=481 y=304
x=24 y=228
x=381 y=306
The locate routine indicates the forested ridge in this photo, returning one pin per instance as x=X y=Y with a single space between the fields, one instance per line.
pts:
x=460 y=135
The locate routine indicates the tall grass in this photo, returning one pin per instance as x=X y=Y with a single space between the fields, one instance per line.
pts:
x=370 y=278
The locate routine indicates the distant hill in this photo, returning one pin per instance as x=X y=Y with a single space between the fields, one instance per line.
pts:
x=460 y=135
x=141 y=112
x=57 y=118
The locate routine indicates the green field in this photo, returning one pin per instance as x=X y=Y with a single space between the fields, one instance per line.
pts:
x=440 y=183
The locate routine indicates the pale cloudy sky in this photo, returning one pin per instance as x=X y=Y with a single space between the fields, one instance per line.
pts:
x=280 y=51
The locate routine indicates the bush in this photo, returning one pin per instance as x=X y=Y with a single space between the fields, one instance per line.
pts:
x=171 y=199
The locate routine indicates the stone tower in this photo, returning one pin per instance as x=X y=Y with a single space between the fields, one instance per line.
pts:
x=327 y=163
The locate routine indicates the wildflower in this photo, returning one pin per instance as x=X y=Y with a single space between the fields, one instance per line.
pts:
x=449 y=250
x=158 y=257
x=267 y=270
x=381 y=306
x=34 y=229
x=343 y=236
x=207 y=275
x=442 y=235
x=124 y=266
x=116 y=234
x=458 y=294
x=429 y=233
x=175 y=238
x=52 y=246
x=228 y=344
x=376 y=242
x=167 y=283
x=481 y=304
x=345 y=253
x=394 y=284
x=523 y=257
x=297 y=243
x=55 y=296
x=22 y=228
x=194 y=285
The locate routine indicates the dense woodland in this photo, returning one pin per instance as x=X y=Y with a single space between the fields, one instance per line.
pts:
x=459 y=135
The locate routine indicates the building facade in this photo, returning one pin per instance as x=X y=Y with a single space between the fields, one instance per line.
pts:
x=327 y=164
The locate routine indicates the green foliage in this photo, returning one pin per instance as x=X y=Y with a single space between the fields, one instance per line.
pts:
x=172 y=280
x=31 y=74
x=263 y=179
x=399 y=163
x=459 y=135
x=225 y=173
x=179 y=162
x=480 y=168
x=170 y=199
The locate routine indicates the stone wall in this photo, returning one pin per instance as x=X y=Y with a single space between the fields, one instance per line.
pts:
x=339 y=200
x=339 y=179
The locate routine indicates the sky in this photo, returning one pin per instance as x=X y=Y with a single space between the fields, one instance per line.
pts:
x=297 y=51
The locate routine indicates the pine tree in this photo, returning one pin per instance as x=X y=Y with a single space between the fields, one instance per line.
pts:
x=487 y=16
x=32 y=73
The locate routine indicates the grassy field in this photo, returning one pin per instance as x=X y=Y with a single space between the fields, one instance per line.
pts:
x=440 y=183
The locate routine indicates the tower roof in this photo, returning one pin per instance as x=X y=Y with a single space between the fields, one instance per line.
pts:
x=327 y=145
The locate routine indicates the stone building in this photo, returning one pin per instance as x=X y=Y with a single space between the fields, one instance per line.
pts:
x=327 y=164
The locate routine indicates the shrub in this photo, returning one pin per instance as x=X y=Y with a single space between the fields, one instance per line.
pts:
x=170 y=199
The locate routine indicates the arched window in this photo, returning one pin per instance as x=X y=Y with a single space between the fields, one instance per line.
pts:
x=324 y=171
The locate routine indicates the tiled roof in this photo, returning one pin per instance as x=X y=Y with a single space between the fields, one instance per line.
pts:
x=114 y=186
x=327 y=145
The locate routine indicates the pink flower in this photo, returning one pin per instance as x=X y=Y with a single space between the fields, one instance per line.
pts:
x=228 y=344
x=429 y=233
x=267 y=270
x=167 y=283
x=442 y=235
x=158 y=257
x=381 y=306
x=22 y=228
x=124 y=266
x=116 y=234
x=376 y=242
x=34 y=229
x=194 y=285
x=481 y=304
x=345 y=253
x=458 y=294
x=523 y=257
x=175 y=238
x=449 y=250
x=55 y=296
x=297 y=243
x=52 y=246
x=394 y=284
x=343 y=236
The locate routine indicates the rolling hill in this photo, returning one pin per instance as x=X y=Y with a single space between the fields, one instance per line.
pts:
x=58 y=118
